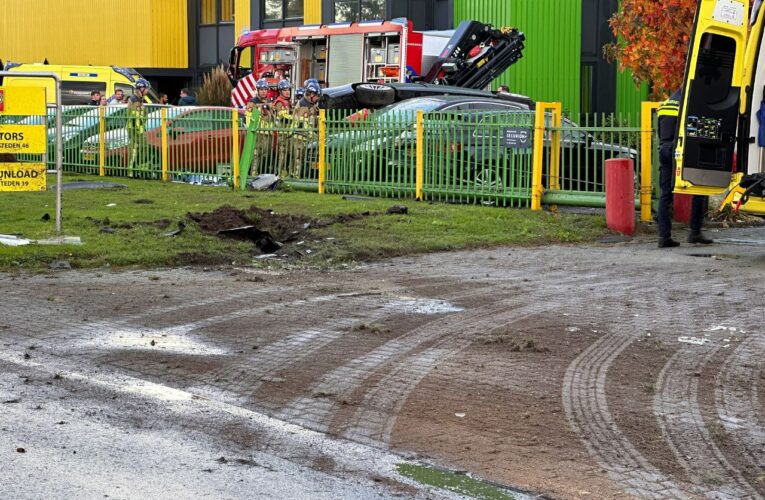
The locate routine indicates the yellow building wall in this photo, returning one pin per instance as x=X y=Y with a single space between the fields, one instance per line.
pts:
x=104 y=33
x=312 y=11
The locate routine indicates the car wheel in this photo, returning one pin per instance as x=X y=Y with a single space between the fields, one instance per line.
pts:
x=374 y=94
x=488 y=179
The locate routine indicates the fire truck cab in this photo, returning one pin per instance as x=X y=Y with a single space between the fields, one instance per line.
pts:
x=336 y=54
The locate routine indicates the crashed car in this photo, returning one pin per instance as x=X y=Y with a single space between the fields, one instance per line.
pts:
x=356 y=96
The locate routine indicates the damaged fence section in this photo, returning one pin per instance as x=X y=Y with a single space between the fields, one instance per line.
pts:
x=477 y=154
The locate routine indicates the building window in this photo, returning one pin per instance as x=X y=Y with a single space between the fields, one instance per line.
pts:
x=282 y=9
x=358 y=10
x=216 y=11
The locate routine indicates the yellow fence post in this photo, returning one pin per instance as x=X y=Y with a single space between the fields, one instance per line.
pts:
x=538 y=164
x=420 y=168
x=163 y=125
x=101 y=141
x=646 y=149
x=557 y=121
x=322 y=149
x=235 y=146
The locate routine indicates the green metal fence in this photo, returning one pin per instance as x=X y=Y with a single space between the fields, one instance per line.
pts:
x=374 y=156
x=475 y=156
x=478 y=157
x=575 y=153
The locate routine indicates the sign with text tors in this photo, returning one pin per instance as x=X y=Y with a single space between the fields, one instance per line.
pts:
x=22 y=177
x=23 y=101
x=19 y=139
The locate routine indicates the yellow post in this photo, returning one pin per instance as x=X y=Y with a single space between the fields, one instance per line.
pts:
x=235 y=147
x=537 y=163
x=101 y=141
x=646 y=148
x=163 y=124
x=322 y=149
x=557 y=121
x=420 y=172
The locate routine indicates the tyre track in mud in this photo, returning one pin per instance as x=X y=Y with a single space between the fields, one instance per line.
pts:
x=677 y=408
x=341 y=383
x=587 y=411
x=737 y=400
x=291 y=350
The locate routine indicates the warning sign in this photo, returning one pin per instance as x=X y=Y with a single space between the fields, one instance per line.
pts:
x=22 y=177
x=19 y=139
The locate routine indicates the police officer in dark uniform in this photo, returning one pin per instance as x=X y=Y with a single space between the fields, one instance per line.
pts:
x=668 y=113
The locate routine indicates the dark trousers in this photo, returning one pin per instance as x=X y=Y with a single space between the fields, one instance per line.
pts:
x=667 y=184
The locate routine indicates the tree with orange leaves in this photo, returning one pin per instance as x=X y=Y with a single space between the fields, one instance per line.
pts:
x=652 y=41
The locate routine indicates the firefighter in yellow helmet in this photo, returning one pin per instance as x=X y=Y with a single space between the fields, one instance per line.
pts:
x=136 y=129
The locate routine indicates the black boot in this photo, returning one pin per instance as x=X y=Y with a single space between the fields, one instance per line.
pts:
x=668 y=243
x=698 y=237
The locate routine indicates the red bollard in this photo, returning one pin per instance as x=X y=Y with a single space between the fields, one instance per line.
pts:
x=620 y=195
x=681 y=208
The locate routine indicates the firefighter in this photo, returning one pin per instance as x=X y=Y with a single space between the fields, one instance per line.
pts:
x=299 y=93
x=282 y=119
x=668 y=112
x=265 y=134
x=136 y=128
x=304 y=125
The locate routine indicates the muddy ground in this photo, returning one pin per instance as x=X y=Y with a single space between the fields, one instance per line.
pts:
x=601 y=371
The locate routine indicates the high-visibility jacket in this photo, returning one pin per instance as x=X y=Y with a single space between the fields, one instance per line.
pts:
x=282 y=111
x=136 y=116
x=667 y=116
x=266 y=124
x=304 y=119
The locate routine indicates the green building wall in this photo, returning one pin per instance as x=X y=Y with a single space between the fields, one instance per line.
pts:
x=550 y=67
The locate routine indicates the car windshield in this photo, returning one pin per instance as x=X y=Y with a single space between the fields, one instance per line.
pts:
x=408 y=108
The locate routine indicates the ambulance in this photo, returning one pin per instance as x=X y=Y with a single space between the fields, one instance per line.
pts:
x=721 y=127
x=77 y=82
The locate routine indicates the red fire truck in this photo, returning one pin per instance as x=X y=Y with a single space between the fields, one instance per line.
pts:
x=336 y=54
x=374 y=51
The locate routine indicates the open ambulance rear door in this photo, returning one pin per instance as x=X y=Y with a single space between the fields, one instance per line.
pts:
x=713 y=98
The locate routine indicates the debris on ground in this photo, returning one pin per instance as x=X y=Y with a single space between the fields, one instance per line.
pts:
x=264 y=182
x=17 y=241
x=45 y=217
x=181 y=228
x=693 y=340
x=268 y=230
x=398 y=209
x=60 y=264
x=90 y=185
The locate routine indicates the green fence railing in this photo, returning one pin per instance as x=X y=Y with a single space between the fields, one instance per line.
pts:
x=474 y=156
x=478 y=157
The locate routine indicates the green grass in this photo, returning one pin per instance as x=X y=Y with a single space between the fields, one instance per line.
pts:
x=458 y=483
x=427 y=227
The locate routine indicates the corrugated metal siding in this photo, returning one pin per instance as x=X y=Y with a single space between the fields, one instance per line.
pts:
x=312 y=11
x=551 y=65
x=629 y=97
x=74 y=32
